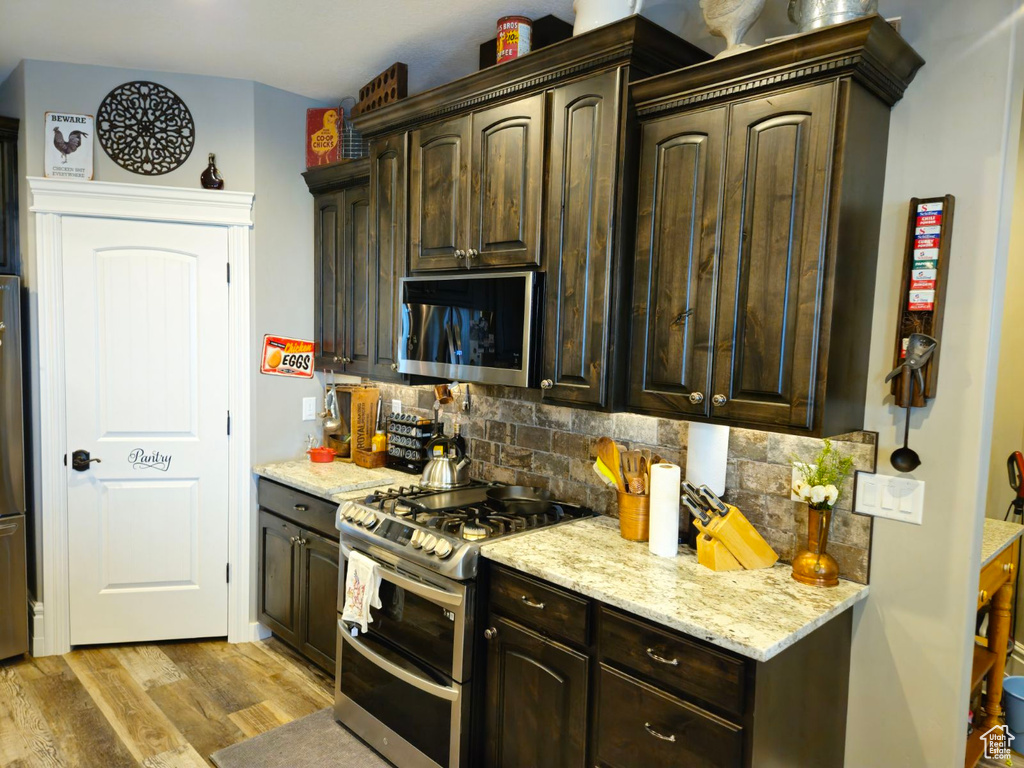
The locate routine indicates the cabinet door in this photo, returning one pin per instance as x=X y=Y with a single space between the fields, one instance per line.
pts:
x=773 y=252
x=578 y=243
x=278 y=577
x=13 y=587
x=387 y=249
x=328 y=278
x=674 y=284
x=9 y=257
x=507 y=177
x=439 y=194
x=358 y=283
x=318 y=598
x=536 y=701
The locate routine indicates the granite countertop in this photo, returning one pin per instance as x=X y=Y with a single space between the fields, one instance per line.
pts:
x=755 y=613
x=335 y=481
x=996 y=536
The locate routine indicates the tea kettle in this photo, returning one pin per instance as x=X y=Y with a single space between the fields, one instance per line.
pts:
x=445 y=471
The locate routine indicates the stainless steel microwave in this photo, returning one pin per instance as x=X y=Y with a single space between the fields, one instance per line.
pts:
x=475 y=327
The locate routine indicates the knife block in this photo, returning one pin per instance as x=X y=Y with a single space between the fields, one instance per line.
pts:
x=713 y=554
x=740 y=538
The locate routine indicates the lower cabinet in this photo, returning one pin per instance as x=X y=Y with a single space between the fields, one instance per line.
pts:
x=298 y=573
x=536 y=699
x=571 y=682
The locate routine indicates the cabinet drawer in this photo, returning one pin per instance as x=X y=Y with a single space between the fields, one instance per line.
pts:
x=639 y=726
x=671 y=661
x=540 y=606
x=310 y=512
x=997 y=573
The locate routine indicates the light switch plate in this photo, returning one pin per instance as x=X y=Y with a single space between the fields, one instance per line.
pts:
x=396 y=406
x=897 y=498
x=309 y=409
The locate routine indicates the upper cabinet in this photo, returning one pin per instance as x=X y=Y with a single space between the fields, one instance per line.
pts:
x=759 y=207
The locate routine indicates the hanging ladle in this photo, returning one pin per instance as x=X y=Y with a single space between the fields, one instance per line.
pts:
x=919 y=350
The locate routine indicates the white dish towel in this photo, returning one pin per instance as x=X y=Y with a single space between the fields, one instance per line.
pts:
x=362 y=587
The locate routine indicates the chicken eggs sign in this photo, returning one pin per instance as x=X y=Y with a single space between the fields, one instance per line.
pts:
x=68 y=143
x=287 y=357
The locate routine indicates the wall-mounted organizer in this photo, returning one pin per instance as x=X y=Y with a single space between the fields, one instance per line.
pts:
x=923 y=286
x=408 y=436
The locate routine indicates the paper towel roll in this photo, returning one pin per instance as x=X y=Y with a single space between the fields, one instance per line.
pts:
x=707 y=451
x=664 y=536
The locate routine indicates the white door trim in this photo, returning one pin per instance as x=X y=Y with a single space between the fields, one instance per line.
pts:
x=53 y=199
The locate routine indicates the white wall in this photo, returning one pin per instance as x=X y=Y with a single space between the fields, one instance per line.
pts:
x=257 y=135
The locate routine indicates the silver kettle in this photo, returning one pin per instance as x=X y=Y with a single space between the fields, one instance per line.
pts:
x=444 y=472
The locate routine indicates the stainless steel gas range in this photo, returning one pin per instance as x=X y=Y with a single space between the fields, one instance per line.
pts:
x=409 y=686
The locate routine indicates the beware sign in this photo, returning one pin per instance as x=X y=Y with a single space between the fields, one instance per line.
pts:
x=287 y=357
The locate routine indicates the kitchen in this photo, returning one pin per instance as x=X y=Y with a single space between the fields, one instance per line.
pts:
x=919 y=577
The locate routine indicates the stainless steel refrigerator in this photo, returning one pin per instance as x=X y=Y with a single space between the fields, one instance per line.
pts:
x=13 y=575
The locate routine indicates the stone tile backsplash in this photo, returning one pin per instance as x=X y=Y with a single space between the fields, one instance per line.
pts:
x=513 y=437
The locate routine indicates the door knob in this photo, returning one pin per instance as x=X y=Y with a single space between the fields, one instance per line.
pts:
x=490 y=633
x=719 y=400
x=547 y=384
x=80 y=460
x=696 y=398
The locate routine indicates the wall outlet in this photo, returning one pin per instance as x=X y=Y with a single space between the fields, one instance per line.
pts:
x=309 y=409
x=897 y=498
x=396 y=406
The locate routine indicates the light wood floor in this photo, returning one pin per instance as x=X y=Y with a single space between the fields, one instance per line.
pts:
x=161 y=705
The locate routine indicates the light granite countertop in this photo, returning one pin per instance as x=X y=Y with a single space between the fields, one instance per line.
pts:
x=336 y=481
x=996 y=536
x=755 y=613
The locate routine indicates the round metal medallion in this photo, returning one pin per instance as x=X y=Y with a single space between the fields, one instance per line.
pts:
x=145 y=128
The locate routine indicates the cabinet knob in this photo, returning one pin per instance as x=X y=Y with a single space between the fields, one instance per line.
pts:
x=983 y=595
x=719 y=400
x=346 y=360
x=1007 y=567
x=338 y=359
x=472 y=253
x=394 y=366
x=547 y=384
x=490 y=633
x=460 y=254
x=294 y=540
x=696 y=398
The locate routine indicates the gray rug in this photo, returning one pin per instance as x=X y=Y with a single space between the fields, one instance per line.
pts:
x=309 y=742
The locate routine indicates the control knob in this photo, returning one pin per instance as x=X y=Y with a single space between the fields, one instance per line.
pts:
x=369 y=520
x=346 y=510
x=416 y=539
x=429 y=542
x=443 y=549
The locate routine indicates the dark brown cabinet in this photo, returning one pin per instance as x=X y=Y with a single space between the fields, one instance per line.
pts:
x=387 y=252
x=10 y=261
x=298 y=571
x=475 y=189
x=759 y=208
x=579 y=256
x=536 y=700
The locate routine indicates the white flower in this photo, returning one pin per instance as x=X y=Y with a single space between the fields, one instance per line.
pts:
x=831 y=494
x=803 y=490
x=817 y=494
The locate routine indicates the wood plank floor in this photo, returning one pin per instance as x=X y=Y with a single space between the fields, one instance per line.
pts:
x=163 y=705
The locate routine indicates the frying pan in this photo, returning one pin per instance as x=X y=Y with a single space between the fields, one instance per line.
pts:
x=521 y=499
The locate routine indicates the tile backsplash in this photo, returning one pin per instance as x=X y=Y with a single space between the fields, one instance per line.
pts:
x=513 y=437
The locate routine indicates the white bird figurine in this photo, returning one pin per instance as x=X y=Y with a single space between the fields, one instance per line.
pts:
x=731 y=19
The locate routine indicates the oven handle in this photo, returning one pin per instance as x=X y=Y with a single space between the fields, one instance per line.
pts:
x=434 y=594
x=427 y=686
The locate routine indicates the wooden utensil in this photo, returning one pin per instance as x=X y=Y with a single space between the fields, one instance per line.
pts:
x=608 y=452
x=632 y=472
x=606 y=475
x=645 y=473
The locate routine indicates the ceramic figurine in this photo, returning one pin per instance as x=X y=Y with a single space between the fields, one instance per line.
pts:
x=731 y=19
x=591 y=14
x=211 y=178
x=814 y=14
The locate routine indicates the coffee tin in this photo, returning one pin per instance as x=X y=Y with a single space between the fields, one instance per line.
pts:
x=514 y=33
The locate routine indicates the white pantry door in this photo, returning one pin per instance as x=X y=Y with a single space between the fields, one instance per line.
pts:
x=146 y=332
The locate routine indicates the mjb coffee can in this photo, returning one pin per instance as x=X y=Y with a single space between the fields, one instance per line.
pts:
x=514 y=34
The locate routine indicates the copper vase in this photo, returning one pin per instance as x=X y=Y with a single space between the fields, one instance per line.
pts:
x=814 y=566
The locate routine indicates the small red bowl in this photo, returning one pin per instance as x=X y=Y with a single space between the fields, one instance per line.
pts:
x=321 y=455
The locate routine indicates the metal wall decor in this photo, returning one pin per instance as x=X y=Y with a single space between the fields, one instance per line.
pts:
x=145 y=128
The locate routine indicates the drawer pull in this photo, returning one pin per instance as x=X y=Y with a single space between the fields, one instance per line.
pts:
x=1007 y=567
x=529 y=602
x=662 y=659
x=300 y=508
x=655 y=734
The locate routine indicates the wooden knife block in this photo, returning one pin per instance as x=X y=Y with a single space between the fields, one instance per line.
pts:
x=740 y=538
x=713 y=554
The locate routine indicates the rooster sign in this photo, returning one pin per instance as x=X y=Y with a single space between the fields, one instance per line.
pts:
x=69 y=146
